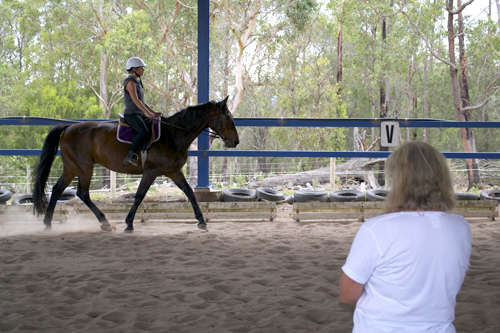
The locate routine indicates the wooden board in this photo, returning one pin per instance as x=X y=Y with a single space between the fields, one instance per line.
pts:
x=164 y=211
x=361 y=211
x=22 y=212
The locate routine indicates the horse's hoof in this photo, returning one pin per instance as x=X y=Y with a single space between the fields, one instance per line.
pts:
x=107 y=227
x=202 y=226
x=47 y=228
x=129 y=229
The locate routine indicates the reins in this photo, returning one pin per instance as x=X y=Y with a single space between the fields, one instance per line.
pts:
x=211 y=134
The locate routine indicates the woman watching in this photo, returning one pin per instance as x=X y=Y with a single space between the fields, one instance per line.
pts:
x=406 y=267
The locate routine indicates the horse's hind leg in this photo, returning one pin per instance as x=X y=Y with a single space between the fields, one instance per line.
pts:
x=57 y=190
x=84 y=194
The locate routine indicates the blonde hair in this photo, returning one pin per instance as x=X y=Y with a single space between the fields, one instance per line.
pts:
x=420 y=179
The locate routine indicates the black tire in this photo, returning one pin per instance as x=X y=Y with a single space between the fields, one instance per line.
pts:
x=288 y=198
x=490 y=195
x=269 y=194
x=126 y=197
x=67 y=195
x=239 y=195
x=466 y=196
x=310 y=195
x=347 y=196
x=25 y=199
x=376 y=194
x=5 y=196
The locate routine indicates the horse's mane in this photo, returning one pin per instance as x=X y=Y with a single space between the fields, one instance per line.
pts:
x=189 y=116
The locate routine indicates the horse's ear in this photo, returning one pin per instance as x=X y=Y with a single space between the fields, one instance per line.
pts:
x=224 y=102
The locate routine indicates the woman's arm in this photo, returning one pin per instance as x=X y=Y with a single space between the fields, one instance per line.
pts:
x=350 y=290
x=157 y=114
x=133 y=94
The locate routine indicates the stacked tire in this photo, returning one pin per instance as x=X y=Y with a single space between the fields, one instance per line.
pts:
x=5 y=196
x=66 y=196
x=310 y=195
x=239 y=195
x=490 y=195
x=466 y=196
x=260 y=194
x=27 y=199
x=347 y=196
x=268 y=194
x=376 y=194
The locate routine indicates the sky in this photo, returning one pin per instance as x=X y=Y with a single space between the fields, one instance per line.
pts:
x=479 y=10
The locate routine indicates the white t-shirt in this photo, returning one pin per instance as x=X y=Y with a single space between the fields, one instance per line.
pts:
x=412 y=265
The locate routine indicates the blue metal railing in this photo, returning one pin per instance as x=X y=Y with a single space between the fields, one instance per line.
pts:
x=287 y=122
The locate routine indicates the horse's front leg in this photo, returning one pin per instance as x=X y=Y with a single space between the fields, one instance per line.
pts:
x=148 y=178
x=181 y=182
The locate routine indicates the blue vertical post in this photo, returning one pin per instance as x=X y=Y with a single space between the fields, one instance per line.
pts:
x=203 y=82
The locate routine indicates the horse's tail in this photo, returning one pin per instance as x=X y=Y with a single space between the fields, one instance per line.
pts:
x=42 y=169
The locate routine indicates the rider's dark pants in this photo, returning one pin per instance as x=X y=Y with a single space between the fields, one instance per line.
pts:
x=141 y=131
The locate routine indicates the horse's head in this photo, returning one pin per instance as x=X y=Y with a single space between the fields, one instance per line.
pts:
x=222 y=123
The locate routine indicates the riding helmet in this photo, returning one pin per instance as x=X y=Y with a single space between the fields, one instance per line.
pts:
x=135 y=62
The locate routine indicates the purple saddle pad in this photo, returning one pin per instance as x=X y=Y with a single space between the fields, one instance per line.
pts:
x=124 y=132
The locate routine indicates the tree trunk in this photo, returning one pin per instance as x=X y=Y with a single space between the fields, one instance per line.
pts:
x=339 y=53
x=103 y=71
x=414 y=95
x=424 y=107
x=104 y=100
x=103 y=86
x=242 y=44
x=498 y=10
x=383 y=114
x=408 y=104
x=467 y=134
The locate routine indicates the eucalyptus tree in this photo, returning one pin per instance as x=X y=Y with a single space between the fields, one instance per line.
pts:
x=254 y=25
x=19 y=32
x=484 y=60
x=308 y=87
x=457 y=72
x=84 y=26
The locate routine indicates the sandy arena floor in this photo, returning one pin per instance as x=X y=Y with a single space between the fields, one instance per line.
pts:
x=277 y=276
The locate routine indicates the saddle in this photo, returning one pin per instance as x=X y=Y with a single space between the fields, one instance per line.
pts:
x=125 y=133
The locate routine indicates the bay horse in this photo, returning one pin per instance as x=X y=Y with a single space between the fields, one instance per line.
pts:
x=84 y=144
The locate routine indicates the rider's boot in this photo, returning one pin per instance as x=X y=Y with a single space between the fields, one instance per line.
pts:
x=131 y=158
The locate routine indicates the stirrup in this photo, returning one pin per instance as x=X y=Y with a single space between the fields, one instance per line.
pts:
x=131 y=159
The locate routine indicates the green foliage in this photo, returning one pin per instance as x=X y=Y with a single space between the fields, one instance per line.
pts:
x=59 y=57
x=299 y=12
x=129 y=34
x=13 y=172
x=64 y=101
x=240 y=180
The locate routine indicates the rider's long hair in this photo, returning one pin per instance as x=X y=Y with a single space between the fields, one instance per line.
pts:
x=419 y=179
